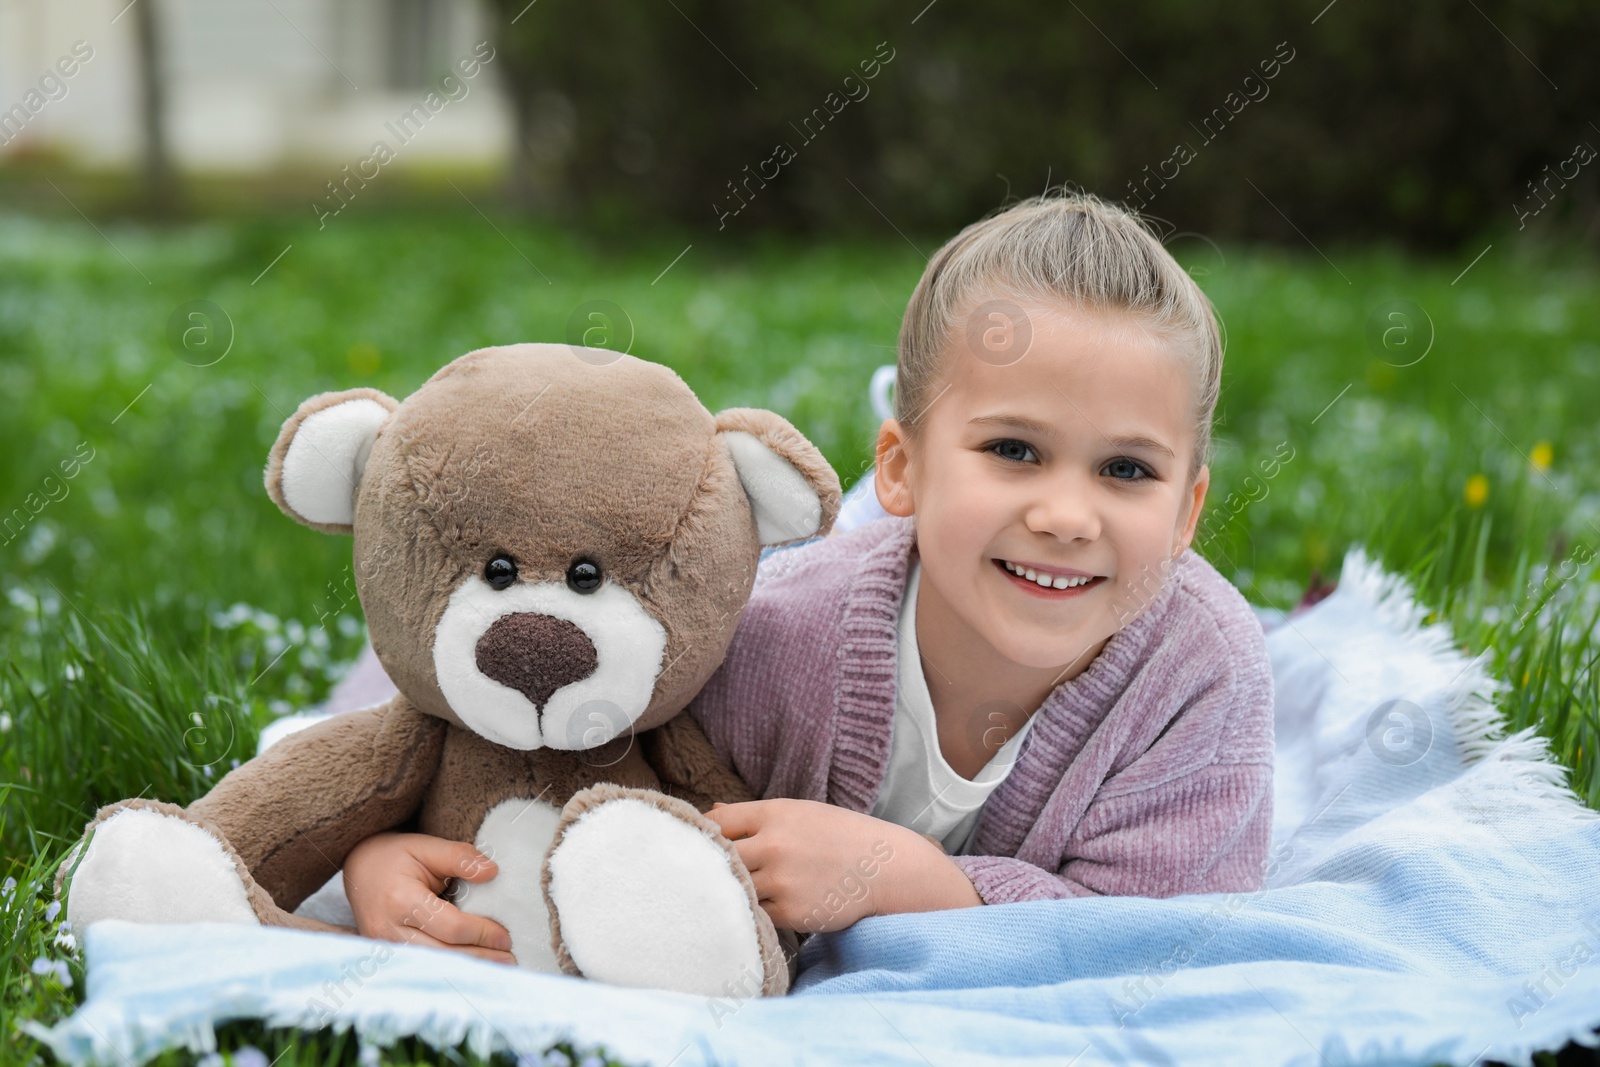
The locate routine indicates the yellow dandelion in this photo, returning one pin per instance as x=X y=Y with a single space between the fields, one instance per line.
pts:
x=1477 y=490
x=1524 y=677
x=1541 y=456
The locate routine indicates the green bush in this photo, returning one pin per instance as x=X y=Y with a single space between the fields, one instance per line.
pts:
x=1420 y=123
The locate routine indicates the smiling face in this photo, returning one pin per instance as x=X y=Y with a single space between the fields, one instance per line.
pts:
x=1051 y=493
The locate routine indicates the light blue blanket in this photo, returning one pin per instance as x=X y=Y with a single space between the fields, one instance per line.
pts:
x=1433 y=896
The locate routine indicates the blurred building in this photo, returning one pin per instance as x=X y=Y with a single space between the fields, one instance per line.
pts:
x=254 y=85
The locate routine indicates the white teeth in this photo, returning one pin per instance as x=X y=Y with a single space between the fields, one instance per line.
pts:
x=1048 y=581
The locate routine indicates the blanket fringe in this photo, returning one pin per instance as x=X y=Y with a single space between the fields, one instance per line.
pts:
x=1475 y=716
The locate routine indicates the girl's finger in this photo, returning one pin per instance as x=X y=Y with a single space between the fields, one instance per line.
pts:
x=749 y=854
x=455 y=927
x=775 y=914
x=766 y=890
x=410 y=935
x=446 y=859
x=737 y=820
x=754 y=852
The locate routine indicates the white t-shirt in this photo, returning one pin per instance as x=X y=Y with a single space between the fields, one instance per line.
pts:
x=920 y=790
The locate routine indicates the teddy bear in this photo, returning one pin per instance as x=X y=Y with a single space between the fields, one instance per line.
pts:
x=552 y=547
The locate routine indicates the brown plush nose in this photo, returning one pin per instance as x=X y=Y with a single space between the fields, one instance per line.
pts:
x=535 y=654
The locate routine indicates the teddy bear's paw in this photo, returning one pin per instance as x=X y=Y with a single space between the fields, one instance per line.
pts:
x=145 y=866
x=644 y=898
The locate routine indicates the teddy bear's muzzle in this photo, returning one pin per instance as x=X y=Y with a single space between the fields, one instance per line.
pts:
x=540 y=665
x=536 y=654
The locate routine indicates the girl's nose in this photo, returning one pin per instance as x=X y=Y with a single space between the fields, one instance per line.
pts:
x=1064 y=510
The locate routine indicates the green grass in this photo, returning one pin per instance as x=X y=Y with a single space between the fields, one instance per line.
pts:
x=160 y=610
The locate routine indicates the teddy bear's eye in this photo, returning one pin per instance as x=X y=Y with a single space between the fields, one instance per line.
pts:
x=500 y=571
x=583 y=576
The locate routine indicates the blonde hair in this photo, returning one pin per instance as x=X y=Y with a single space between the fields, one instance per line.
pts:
x=1063 y=246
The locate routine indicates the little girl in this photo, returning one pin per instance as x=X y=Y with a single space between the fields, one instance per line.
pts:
x=1020 y=684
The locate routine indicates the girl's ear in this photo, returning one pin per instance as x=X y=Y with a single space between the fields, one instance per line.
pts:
x=316 y=464
x=793 y=491
x=1196 y=502
x=893 y=471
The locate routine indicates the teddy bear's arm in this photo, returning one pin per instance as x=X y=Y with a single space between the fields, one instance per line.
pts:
x=294 y=812
x=689 y=767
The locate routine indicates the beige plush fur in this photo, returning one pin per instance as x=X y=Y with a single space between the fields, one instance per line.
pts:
x=281 y=447
x=531 y=452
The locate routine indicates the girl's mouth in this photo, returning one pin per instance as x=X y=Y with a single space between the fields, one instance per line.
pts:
x=1053 y=585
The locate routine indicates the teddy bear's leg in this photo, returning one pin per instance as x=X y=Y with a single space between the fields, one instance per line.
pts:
x=146 y=861
x=645 y=891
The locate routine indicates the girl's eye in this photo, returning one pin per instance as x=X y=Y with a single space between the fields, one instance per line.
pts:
x=1013 y=451
x=1124 y=469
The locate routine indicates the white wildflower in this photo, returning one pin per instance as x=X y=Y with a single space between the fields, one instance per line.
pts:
x=249 y=1056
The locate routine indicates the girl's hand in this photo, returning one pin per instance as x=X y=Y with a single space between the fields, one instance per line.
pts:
x=394 y=880
x=817 y=867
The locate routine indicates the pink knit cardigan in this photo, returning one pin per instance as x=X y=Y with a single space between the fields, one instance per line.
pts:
x=1149 y=774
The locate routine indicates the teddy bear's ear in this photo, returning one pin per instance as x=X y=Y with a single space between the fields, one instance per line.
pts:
x=793 y=491
x=316 y=463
